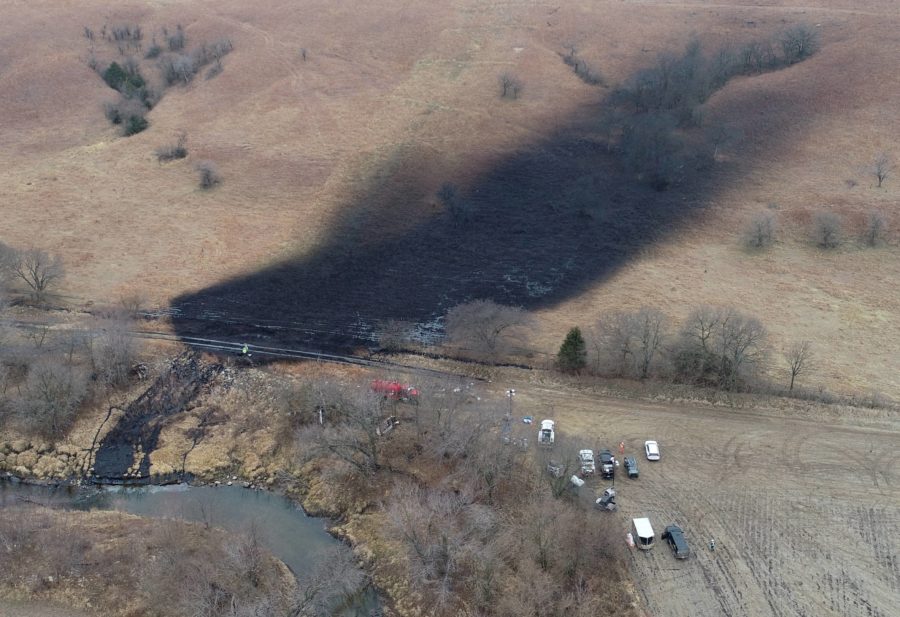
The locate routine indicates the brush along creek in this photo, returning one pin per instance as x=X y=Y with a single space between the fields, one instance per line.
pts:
x=180 y=422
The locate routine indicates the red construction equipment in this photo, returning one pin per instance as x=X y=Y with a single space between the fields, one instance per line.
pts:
x=395 y=390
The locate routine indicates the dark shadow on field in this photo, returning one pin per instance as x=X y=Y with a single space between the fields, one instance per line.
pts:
x=539 y=227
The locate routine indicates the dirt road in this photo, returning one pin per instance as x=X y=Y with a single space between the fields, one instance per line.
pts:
x=805 y=512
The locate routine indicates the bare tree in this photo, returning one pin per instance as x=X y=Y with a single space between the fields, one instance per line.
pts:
x=449 y=425
x=51 y=397
x=876 y=228
x=113 y=348
x=628 y=343
x=486 y=328
x=650 y=324
x=334 y=580
x=248 y=556
x=614 y=344
x=179 y=68
x=799 y=358
x=761 y=231
x=351 y=431
x=827 y=230
x=395 y=335
x=40 y=271
x=719 y=346
x=133 y=304
x=557 y=466
x=881 y=168
x=428 y=522
x=652 y=148
x=510 y=86
x=741 y=341
x=177 y=39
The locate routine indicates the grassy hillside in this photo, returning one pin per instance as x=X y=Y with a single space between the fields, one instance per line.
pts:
x=332 y=161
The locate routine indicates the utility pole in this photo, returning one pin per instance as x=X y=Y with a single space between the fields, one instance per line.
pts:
x=510 y=394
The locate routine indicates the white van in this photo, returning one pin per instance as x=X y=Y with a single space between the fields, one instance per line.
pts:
x=643 y=533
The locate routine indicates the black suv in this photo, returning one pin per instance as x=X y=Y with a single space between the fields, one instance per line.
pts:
x=675 y=537
x=607 y=463
x=631 y=467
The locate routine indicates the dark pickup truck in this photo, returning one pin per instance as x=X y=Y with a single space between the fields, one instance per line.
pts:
x=675 y=537
x=607 y=463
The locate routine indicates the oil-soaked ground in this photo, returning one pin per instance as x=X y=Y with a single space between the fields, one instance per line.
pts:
x=123 y=456
x=539 y=227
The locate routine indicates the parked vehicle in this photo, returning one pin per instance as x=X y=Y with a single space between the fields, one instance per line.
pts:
x=607 y=463
x=607 y=501
x=631 y=467
x=675 y=537
x=586 y=459
x=395 y=390
x=546 y=433
x=387 y=425
x=555 y=469
x=652 y=450
x=643 y=534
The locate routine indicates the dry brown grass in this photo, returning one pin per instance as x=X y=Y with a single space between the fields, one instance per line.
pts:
x=296 y=140
x=117 y=564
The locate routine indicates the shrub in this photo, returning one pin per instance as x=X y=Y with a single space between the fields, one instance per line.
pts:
x=582 y=69
x=125 y=81
x=826 y=230
x=174 y=151
x=154 y=51
x=510 y=86
x=123 y=109
x=876 y=229
x=178 y=68
x=798 y=43
x=214 y=70
x=135 y=124
x=761 y=232
x=209 y=175
x=177 y=39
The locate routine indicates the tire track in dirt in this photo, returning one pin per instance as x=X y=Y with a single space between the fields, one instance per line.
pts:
x=800 y=525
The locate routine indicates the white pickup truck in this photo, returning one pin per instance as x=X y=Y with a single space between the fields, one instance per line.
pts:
x=586 y=459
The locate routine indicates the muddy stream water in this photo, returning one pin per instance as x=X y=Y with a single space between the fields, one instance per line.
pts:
x=298 y=540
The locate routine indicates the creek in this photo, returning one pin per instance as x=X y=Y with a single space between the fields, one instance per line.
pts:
x=298 y=540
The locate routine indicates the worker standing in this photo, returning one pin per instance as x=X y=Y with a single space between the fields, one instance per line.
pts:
x=245 y=350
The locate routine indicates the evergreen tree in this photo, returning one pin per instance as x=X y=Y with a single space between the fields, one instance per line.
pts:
x=572 y=356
